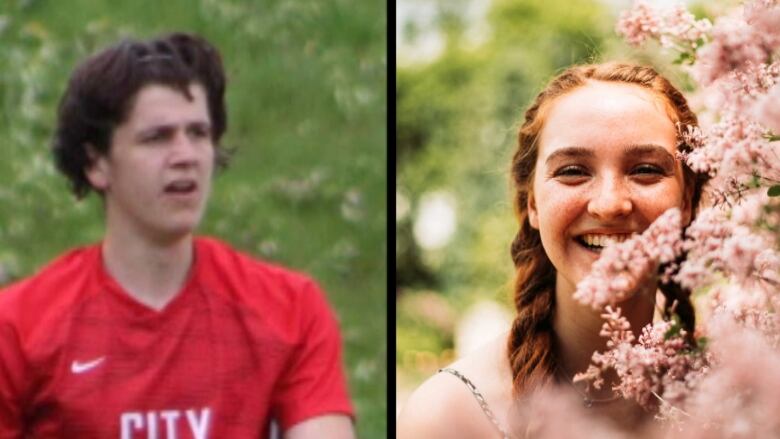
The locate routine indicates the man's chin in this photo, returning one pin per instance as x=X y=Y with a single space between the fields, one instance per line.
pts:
x=175 y=233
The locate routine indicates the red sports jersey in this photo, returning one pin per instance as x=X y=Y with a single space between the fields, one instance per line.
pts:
x=243 y=342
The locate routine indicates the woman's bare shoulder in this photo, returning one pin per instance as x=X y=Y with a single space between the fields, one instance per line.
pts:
x=445 y=407
x=439 y=408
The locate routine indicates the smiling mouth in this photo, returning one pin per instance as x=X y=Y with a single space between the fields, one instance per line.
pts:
x=596 y=242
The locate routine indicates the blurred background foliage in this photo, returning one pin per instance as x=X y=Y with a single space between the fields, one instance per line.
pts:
x=466 y=72
x=307 y=106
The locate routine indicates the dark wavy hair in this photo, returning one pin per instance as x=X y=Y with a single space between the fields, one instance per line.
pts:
x=531 y=341
x=102 y=89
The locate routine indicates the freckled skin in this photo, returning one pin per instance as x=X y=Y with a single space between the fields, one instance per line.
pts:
x=608 y=189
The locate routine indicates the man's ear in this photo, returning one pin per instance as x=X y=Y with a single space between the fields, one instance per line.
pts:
x=97 y=169
x=533 y=215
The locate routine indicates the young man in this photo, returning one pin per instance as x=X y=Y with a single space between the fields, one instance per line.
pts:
x=154 y=333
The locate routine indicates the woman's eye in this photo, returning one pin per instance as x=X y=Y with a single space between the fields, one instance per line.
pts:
x=648 y=170
x=571 y=171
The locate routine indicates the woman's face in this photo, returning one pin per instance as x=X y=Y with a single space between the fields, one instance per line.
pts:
x=606 y=168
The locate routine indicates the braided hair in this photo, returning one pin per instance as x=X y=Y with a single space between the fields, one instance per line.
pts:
x=531 y=340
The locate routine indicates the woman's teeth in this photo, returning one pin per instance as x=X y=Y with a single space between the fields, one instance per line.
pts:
x=601 y=241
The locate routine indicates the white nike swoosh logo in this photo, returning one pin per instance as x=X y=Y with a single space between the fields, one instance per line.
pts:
x=77 y=367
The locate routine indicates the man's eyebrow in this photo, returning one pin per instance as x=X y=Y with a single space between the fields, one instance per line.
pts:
x=200 y=124
x=168 y=127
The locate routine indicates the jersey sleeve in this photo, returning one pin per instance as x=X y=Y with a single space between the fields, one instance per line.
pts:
x=13 y=381
x=313 y=383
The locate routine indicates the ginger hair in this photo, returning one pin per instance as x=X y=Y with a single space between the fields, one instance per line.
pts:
x=531 y=349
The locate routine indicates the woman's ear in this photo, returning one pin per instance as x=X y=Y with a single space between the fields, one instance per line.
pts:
x=97 y=171
x=533 y=215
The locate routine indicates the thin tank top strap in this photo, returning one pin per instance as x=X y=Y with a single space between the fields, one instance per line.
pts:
x=480 y=399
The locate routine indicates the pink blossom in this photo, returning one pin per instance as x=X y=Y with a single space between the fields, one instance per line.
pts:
x=741 y=250
x=767 y=267
x=639 y=24
x=729 y=392
x=682 y=30
x=739 y=91
x=673 y=27
x=723 y=246
x=735 y=45
x=622 y=267
x=750 y=209
x=764 y=16
x=658 y=363
x=704 y=243
x=727 y=389
x=767 y=110
x=738 y=398
x=732 y=152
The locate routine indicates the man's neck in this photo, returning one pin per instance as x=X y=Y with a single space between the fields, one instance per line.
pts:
x=151 y=272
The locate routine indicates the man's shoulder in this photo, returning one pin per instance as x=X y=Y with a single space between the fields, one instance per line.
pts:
x=50 y=289
x=250 y=278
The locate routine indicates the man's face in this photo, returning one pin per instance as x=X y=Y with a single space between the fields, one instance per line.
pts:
x=156 y=176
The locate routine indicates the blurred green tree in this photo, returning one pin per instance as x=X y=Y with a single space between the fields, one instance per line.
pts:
x=456 y=120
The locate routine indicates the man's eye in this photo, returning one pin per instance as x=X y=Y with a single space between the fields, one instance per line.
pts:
x=200 y=132
x=152 y=137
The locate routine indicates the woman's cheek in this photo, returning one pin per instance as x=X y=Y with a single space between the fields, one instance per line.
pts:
x=560 y=205
x=660 y=197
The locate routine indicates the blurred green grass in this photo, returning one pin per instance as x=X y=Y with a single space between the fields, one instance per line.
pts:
x=307 y=114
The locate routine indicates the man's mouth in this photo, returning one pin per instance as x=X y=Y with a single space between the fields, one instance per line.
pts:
x=597 y=242
x=181 y=187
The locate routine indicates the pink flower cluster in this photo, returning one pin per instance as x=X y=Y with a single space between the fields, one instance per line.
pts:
x=673 y=27
x=726 y=388
x=764 y=17
x=734 y=152
x=725 y=245
x=735 y=45
x=657 y=368
x=682 y=30
x=738 y=397
x=740 y=91
x=730 y=392
x=639 y=24
x=623 y=267
x=767 y=110
x=745 y=308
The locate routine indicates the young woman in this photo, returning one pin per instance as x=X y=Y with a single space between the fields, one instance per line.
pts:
x=596 y=161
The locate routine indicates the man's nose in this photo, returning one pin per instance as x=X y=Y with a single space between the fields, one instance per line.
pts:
x=611 y=198
x=184 y=149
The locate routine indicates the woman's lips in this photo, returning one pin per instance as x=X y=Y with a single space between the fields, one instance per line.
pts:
x=596 y=242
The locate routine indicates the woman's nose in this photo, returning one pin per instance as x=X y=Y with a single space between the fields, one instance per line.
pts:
x=610 y=199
